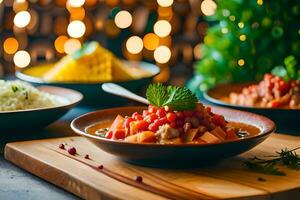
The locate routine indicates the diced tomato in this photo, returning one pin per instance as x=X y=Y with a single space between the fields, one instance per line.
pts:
x=109 y=135
x=145 y=136
x=119 y=134
x=283 y=87
x=275 y=104
x=153 y=127
x=145 y=113
x=171 y=116
x=151 y=117
x=117 y=124
x=163 y=120
x=127 y=122
x=137 y=116
x=138 y=126
x=219 y=120
x=161 y=112
x=152 y=109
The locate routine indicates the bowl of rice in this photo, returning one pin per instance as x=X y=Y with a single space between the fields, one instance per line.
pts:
x=24 y=107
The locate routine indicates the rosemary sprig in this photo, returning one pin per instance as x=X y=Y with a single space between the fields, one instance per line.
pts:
x=288 y=158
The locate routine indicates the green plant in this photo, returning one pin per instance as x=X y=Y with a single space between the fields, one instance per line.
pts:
x=249 y=39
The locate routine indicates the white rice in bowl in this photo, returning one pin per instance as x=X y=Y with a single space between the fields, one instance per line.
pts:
x=18 y=95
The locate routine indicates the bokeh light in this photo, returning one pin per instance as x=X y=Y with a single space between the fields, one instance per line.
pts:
x=22 y=59
x=162 y=28
x=151 y=41
x=208 y=7
x=123 y=19
x=165 y=3
x=76 y=29
x=22 y=19
x=59 y=43
x=10 y=45
x=72 y=45
x=241 y=62
x=134 y=44
x=243 y=37
x=162 y=54
x=75 y=3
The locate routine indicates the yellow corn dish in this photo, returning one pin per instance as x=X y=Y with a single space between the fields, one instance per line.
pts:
x=92 y=63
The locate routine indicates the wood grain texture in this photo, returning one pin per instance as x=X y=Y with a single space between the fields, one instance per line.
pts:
x=227 y=180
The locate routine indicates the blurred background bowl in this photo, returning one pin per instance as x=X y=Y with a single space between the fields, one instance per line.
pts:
x=287 y=120
x=38 y=118
x=93 y=93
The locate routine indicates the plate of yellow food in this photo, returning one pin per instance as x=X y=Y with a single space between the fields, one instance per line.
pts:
x=87 y=68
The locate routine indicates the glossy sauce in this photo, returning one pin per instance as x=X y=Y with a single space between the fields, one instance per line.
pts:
x=245 y=130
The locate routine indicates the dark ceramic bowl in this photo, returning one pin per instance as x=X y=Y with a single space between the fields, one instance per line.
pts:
x=287 y=120
x=93 y=93
x=34 y=119
x=161 y=155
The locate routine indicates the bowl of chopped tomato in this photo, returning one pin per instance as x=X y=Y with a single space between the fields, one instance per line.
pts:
x=273 y=97
x=159 y=136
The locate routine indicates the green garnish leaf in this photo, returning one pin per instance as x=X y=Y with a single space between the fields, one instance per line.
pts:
x=285 y=157
x=178 y=98
x=14 y=88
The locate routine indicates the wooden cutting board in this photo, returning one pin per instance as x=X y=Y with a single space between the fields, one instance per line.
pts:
x=229 y=179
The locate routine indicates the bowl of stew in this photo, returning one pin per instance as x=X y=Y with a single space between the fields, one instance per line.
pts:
x=159 y=137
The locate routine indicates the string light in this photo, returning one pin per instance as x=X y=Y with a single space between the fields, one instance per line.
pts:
x=162 y=28
x=162 y=54
x=22 y=59
x=59 y=43
x=151 y=41
x=10 y=45
x=123 y=19
x=243 y=37
x=208 y=7
x=165 y=3
x=76 y=29
x=22 y=19
x=241 y=62
x=134 y=44
x=72 y=45
x=75 y=3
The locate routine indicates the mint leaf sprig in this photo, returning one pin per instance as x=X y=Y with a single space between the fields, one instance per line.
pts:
x=178 y=98
x=285 y=157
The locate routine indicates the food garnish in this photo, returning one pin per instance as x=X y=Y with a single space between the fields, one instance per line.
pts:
x=61 y=146
x=139 y=179
x=87 y=156
x=72 y=151
x=285 y=157
x=178 y=98
x=100 y=167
